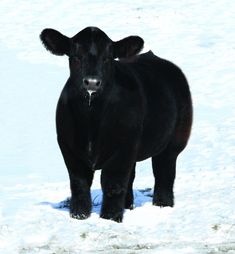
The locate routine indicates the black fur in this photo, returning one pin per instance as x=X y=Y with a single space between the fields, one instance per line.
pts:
x=142 y=109
x=128 y=47
x=55 y=42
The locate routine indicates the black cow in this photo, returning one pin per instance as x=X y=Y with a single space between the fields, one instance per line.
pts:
x=113 y=113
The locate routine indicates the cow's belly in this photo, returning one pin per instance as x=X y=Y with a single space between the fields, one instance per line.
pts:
x=152 y=145
x=157 y=133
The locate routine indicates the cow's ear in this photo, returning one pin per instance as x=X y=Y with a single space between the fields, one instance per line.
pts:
x=128 y=47
x=55 y=42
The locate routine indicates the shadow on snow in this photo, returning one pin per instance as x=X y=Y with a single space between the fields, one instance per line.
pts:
x=141 y=196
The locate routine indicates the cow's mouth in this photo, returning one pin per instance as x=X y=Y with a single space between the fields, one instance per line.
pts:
x=91 y=94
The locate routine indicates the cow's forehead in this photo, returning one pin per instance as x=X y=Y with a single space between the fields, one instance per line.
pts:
x=92 y=39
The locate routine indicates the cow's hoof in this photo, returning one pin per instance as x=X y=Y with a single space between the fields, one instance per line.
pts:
x=129 y=206
x=116 y=218
x=79 y=216
x=163 y=201
x=78 y=212
x=163 y=204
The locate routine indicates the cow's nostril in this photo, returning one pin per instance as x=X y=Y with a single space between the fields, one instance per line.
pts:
x=86 y=82
x=98 y=83
x=92 y=83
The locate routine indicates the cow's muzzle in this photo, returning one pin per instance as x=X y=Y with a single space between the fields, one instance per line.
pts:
x=92 y=84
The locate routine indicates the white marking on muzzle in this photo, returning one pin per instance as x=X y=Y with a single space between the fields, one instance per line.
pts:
x=90 y=92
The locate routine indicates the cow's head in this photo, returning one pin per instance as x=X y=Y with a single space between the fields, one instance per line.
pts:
x=91 y=54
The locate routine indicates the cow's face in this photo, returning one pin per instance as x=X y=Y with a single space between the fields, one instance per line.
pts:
x=91 y=54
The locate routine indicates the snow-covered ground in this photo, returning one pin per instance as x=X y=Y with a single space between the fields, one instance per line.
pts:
x=197 y=35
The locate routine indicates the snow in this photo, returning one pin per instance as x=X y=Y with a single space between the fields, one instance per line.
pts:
x=195 y=34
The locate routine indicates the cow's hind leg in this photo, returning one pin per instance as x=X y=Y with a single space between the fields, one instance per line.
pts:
x=129 y=201
x=164 y=164
x=115 y=177
x=164 y=168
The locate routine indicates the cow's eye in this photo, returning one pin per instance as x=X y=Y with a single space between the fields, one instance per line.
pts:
x=107 y=59
x=75 y=60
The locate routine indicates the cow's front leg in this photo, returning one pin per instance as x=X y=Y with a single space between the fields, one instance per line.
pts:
x=114 y=182
x=80 y=181
x=80 y=204
x=114 y=186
